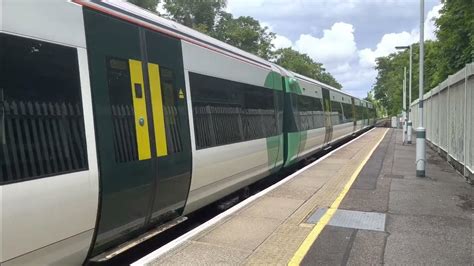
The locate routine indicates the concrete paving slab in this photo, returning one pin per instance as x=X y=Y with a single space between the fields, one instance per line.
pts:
x=279 y=248
x=368 y=248
x=425 y=197
x=294 y=191
x=206 y=254
x=428 y=240
x=332 y=247
x=242 y=232
x=272 y=207
x=369 y=200
x=443 y=228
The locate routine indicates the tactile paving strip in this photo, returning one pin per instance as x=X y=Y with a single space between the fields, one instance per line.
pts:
x=352 y=219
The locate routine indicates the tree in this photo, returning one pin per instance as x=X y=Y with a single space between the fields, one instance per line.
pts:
x=245 y=33
x=198 y=14
x=388 y=85
x=455 y=35
x=146 y=4
x=379 y=109
x=304 y=65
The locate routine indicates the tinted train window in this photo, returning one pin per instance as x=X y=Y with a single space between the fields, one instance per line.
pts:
x=42 y=127
x=337 y=116
x=360 y=112
x=348 y=114
x=310 y=113
x=123 y=116
x=228 y=112
x=170 y=103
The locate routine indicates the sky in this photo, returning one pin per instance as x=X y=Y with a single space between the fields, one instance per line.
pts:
x=346 y=36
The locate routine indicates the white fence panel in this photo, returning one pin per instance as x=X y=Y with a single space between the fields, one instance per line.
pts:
x=443 y=115
x=470 y=120
x=448 y=115
x=435 y=119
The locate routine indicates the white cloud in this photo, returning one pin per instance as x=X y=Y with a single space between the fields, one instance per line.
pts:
x=388 y=42
x=314 y=32
x=335 y=46
x=385 y=47
x=430 y=26
x=281 y=41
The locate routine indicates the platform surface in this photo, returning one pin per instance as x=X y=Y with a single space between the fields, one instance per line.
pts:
x=387 y=216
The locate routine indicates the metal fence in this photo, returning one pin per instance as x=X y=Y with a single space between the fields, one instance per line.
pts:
x=223 y=125
x=40 y=139
x=449 y=119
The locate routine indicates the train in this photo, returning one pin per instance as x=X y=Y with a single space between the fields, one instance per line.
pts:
x=116 y=122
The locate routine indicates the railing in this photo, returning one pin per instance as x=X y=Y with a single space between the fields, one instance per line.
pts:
x=123 y=118
x=125 y=143
x=41 y=139
x=215 y=125
x=448 y=117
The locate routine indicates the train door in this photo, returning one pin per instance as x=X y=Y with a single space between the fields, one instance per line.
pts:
x=354 y=114
x=171 y=126
x=142 y=133
x=328 y=115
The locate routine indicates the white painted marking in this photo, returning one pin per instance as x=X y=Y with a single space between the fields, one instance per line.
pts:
x=178 y=241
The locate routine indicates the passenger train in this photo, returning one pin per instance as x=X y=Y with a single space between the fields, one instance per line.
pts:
x=115 y=122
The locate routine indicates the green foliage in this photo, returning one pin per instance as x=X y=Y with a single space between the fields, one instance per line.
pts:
x=146 y=4
x=304 y=65
x=245 y=33
x=456 y=37
x=389 y=82
x=197 y=14
x=443 y=57
x=379 y=109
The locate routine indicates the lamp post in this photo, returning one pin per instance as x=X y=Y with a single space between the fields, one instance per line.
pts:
x=408 y=108
x=404 y=102
x=420 y=131
x=409 y=97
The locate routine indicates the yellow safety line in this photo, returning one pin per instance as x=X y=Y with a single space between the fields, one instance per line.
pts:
x=318 y=228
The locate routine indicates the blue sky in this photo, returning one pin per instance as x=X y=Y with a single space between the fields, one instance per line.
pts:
x=345 y=35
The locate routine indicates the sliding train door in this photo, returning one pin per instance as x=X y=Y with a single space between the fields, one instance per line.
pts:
x=142 y=127
x=328 y=115
x=171 y=126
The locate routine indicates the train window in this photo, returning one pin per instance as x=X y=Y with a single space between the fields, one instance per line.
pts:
x=118 y=79
x=336 y=114
x=170 y=99
x=310 y=113
x=227 y=112
x=348 y=113
x=42 y=121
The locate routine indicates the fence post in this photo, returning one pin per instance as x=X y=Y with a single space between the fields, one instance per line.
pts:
x=465 y=172
x=448 y=141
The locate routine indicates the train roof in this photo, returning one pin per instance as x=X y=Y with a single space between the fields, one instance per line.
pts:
x=145 y=18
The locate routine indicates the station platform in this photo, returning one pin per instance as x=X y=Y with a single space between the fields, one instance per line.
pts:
x=360 y=204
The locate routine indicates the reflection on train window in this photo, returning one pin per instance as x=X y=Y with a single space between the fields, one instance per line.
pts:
x=348 y=112
x=170 y=99
x=337 y=116
x=310 y=113
x=228 y=112
x=361 y=112
x=121 y=104
x=42 y=121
